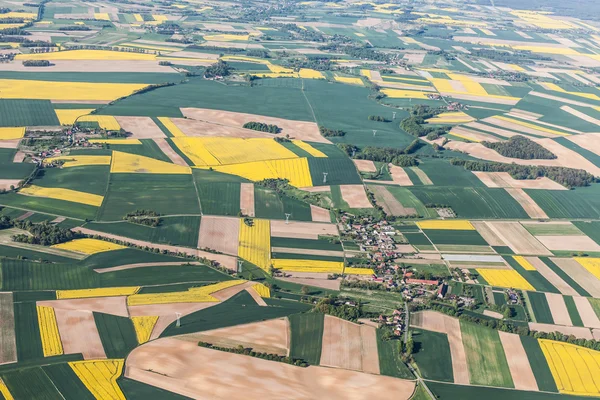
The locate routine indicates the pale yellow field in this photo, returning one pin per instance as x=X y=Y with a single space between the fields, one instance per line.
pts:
x=18 y=14
x=12 y=133
x=102 y=16
x=132 y=163
x=115 y=141
x=358 y=271
x=4 y=391
x=255 y=243
x=51 y=344
x=192 y=295
x=296 y=171
x=225 y=37
x=540 y=20
x=524 y=263
x=457 y=224
x=309 y=149
x=332 y=267
x=532 y=126
x=149 y=47
x=46 y=90
x=278 y=69
x=349 y=80
x=68 y=117
x=458 y=117
x=556 y=88
x=138 y=17
x=99 y=292
x=404 y=94
x=175 y=131
x=107 y=122
x=591 y=264
x=89 y=246
x=63 y=194
x=159 y=18
x=504 y=278
x=79 y=161
x=262 y=290
x=143 y=327
x=100 y=377
x=87 y=55
x=575 y=369
x=308 y=73
x=469 y=138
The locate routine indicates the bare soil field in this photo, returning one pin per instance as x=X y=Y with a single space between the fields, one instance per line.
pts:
x=24 y=216
x=247 y=199
x=302 y=130
x=578 y=332
x=390 y=205
x=9 y=144
x=19 y=157
x=141 y=127
x=399 y=175
x=422 y=176
x=529 y=205
x=194 y=128
x=92 y=66
x=270 y=336
x=560 y=99
x=551 y=276
x=168 y=150
x=414 y=58
x=345 y=345
x=316 y=189
x=580 y=115
x=259 y=300
x=520 y=368
x=488 y=234
x=301 y=230
x=234 y=45
x=504 y=180
x=314 y=252
x=320 y=281
x=109 y=305
x=437 y=322
x=569 y=243
x=355 y=196
x=586 y=312
x=517 y=238
x=144 y=265
x=558 y=309
x=589 y=141
x=579 y=274
x=196 y=372
x=8 y=343
x=365 y=165
x=78 y=333
x=5 y=184
x=482 y=99
x=319 y=214
x=220 y=234
x=493 y=314
x=193 y=54
x=473 y=135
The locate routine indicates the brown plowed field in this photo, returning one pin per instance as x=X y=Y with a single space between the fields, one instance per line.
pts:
x=220 y=234
x=558 y=309
x=390 y=205
x=580 y=275
x=78 y=333
x=586 y=312
x=355 y=196
x=520 y=368
x=301 y=230
x=109 y=305
x=529 y=205
x=319 y=214
x=141 y=127
x=578 y=332
x=168 y=150
x=517 y=238
x=365 y=165
x=247 y=199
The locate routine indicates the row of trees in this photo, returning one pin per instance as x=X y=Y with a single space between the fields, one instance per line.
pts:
x=249 y=352
x=262 y=127
x=144 y=217
x=521 y=147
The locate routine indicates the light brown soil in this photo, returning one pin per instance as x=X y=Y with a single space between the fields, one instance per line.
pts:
x=399 y=175
x=259 y=300
x=414 y=58
x=319 y=214
x=437 y=322
x=19 y=157
x=516 y=127
x=8 y=343
x=517 y=238
x=78 y=333
x=473 y=135
x=579 y=274
x=569 y=243
x=493 y=314
x=144 y=265
x=220 y=234
x=302 y=130
x=488 y=234
x=193 y=54
x=225 y=294
x=520 y=368
x=365 y=165
x=24 y=215
x=578 y=332
x=108 y=305
x=589 y=141
x=559 y=99
x=58 y=220
x=168 y=150
x=390 y=205
x=504 y=180
x=9 y=144
x=580 y=115
x=422 y=176
x=529 y=205
x=315 y=252
x=586 y=312
x=187 y=369
x=492 y=129
x=141 y=127
x=247 y=199
x=316 y=189
x=355 y=196
x=481 y=99
x=322 y=282
x=266 y=336
x=369 y=351
x=552 y=276
x=558 y=309
x=92 y=66
x=301 y=230
x=225 y=260
x=195 y=128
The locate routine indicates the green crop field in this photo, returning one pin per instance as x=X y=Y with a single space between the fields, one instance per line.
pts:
x=440 y=236
x=485 y=356
x=148 y=148
x=578 y=203
x=160 y=275
x=271 y=205
x=445 y=391
x=67 y=382
x=95 y=77
x=570 y=281
x=418 y=240
x=573 y=312
x=540 y=307
x=28 y=275
x=116 y=333
x=306 y=337
x=550 y=229
x=220 y=198
x=27 y=332
x=590 y=228
x=432 y=355
x=49 y=206
x=537 y=280
x=27 y=113
x=340 y=171
x=294 y=243
x=135 y=390
x=539 y=365
x=408 y=200
x=10 y=170
x=31 y=383
x=88 y=179
x=390 y=359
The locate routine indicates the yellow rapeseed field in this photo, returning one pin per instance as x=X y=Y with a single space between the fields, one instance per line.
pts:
x=68 y=117
x=12 y=133
x=449 y=224
x=102 y=16
x=99 y=292
x=51 y=344
x=255 y=243
x=192 y=295
x=504 y=278
x=540 y=20
x=332 y=267
x=532 y=126
x=225 y=37
x=278 y=69
x=19 y=14
x=143 y=327
x=349 y=80
x=63 y=194
x=308 y=73
x=115 y=141
x=4 y=391
x=366 y=73
x=78 y=161
x=296 y=171
x=575 y=369
x=591 y=264
x=458 y=117
x=466 y=137
x=556 y=88
x=47 y=90
x=358 y=271
x=404 y=94
x=100 y=377
x=262 y=290
x=107 y=122
x=309 y=149
x=132 y=163
x=524 y=263
x=89 y=246
x=175 y=131
x=138 y=17
x=159 y=18
x=87 y=55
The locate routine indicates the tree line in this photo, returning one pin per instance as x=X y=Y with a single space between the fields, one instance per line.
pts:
x=262 y=127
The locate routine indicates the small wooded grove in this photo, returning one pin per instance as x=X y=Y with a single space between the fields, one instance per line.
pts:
x=262 y=127
x=521 y=147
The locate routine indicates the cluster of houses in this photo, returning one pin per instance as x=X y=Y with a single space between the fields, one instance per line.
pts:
x=396 y=321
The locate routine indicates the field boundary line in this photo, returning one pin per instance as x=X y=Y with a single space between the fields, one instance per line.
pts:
x=308 y=102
